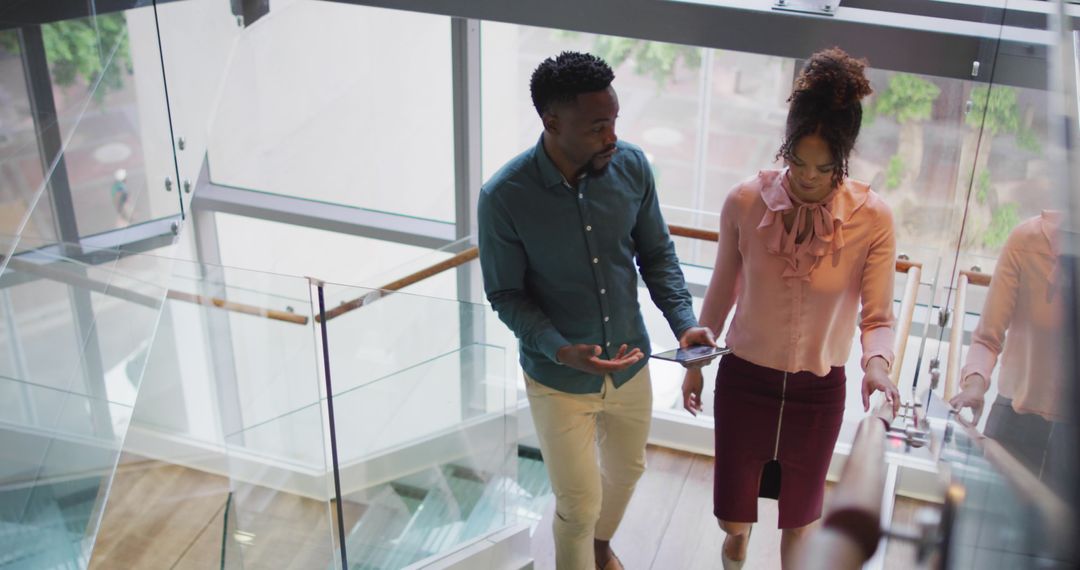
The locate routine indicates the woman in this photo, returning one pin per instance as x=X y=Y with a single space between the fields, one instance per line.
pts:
x=800 y=249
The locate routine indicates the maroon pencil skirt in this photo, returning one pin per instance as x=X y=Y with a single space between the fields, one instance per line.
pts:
x=775 y=433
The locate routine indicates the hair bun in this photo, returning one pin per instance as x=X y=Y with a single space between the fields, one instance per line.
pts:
x=833 y=78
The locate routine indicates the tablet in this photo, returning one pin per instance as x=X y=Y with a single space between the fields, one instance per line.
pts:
x=692 y=354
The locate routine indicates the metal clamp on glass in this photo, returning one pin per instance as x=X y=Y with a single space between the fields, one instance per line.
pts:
x=819 y=7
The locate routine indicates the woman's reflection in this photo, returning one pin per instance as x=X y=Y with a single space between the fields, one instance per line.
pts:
x=1025 y=299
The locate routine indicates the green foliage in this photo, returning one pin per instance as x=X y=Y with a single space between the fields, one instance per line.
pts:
x=1002 y=115
x=982 y=186
x=656 y=59
x=869 y=115
x=999 y=107
x=81 y=48
x=907 y=98
x=1027 y=140
x=894 y=173
x=1004 y=219
x=9 y=40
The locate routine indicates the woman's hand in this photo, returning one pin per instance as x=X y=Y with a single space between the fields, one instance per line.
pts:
x=973 y=396
x=877 y=379
x=691 y=391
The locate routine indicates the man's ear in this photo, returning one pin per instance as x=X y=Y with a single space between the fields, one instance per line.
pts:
x=551 y=122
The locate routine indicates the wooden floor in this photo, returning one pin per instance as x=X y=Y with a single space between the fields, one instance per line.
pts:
x=161 y=516
x=166 y=516
x=669 y=523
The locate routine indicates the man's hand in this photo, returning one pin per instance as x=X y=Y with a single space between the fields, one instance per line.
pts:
x=691 y=391
x=586 y=357
x=877 y=379
x=972 y=396
x=697 y=336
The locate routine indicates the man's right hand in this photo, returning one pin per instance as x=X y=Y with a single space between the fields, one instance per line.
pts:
x=586 y=357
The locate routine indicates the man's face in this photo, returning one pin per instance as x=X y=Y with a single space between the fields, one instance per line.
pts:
x=584 y=129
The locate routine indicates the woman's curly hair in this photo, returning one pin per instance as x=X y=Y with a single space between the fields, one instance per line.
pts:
x=826 y=101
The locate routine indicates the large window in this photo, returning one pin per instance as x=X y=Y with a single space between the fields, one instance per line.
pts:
x=337 y=103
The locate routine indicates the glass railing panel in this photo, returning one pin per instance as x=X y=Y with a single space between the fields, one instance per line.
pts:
x=280 y=496
x=426 y=447
x=296 y=250
x=379 y=333
x=228 y=413
x=75 y=337
x=429 y=472
x=93 y=151
x=121 y=154
x=197 y=40
x=55 y=473
x=1001 y=516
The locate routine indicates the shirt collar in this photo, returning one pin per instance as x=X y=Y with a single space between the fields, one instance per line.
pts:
x=549 y=173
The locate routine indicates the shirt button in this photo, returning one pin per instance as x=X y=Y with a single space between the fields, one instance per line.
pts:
x=603 y=291
x=580 y=195
x=607 y=343
x=596 y=260
x=606 y=319
x=588 y=228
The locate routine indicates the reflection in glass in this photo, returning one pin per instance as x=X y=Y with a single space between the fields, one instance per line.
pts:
x=1021 y=324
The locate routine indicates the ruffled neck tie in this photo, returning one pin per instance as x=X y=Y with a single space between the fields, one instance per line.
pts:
x=824 y=236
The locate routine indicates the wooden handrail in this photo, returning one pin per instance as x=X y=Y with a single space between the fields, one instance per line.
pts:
x=902 y=265
x=903 y=323
x=695 y=233
x=445 y=265
x=976 y=277
x=108 y=289
x=235 y=307
x=852 y=521
x=905 y=265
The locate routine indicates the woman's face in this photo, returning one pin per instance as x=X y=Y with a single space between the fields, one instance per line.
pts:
x=810 y=167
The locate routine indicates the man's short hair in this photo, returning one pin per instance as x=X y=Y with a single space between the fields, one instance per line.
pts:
x=562 y=79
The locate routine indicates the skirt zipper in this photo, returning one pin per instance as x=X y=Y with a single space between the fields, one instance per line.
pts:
x=780 y=419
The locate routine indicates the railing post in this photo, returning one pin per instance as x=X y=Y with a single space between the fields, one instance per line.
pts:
x=333 y=428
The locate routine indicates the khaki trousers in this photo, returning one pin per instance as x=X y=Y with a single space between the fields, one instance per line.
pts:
x=594 y=449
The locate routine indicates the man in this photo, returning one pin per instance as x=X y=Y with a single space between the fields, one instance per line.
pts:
x=561 y=226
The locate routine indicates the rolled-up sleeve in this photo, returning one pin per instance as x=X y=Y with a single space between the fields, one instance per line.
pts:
x=657 y=261
x=877 y=319
x=503 y=263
